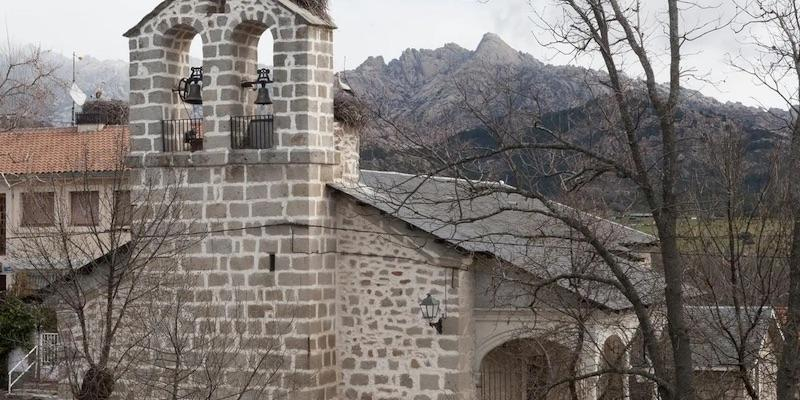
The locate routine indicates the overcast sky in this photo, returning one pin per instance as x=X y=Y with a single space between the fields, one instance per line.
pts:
x=366 y=28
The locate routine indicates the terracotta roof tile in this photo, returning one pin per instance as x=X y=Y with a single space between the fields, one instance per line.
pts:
x=59 y=150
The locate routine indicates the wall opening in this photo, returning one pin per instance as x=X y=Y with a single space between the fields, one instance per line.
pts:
x=524 y=369
x=184 y=47
x=266 y=50
x=182 y=128
x=195 y=60
x=256 y=49
x=612 y=385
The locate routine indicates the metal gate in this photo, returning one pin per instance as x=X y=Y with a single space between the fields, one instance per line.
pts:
x=509 y=374
x=502 y=385
x=48 y=349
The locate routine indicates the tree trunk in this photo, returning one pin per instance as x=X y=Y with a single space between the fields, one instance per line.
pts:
x=787 y=366
x=98 y=384
x=677 y=328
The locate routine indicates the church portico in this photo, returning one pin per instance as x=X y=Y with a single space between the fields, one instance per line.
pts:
x=524 y=355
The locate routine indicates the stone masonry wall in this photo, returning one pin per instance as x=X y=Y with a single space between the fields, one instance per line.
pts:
x=385 y=348
x=348 y=144
x=255 y=212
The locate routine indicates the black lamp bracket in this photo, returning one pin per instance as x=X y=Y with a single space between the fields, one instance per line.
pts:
x=439 y=325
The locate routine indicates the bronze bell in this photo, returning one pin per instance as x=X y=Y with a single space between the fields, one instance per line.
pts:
x=189 y=89
x=194 y=93
x=262 y=81
x=263 y=98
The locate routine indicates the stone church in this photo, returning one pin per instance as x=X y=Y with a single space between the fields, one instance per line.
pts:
x=387 y=282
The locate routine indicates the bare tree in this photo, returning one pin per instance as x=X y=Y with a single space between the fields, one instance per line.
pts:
x=27 y=84
x=772 y=28
x=735 y=241
x=99 y=251
x=181 y=359
x=630 y=139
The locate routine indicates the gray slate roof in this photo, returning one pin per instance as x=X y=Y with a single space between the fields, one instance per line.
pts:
x=477 y=217
x=716 y=337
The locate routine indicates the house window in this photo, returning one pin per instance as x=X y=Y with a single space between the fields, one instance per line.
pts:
x=2 y=224
x=3 y=283
x=123 y=208
x=84 y=208
x=38 y=208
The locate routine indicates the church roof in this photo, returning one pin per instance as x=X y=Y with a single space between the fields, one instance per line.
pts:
x=716 y=338
x=478 y=218
x=311 y=17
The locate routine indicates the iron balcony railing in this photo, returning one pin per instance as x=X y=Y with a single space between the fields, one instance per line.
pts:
x=182 y=135
x=252 y=132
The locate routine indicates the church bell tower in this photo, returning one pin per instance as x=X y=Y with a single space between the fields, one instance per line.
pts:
x=252 y=149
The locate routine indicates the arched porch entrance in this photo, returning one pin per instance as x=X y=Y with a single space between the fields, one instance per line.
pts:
x=525 y=369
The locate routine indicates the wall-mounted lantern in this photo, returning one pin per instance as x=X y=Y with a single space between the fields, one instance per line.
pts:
x=189 y=89
x=263 y=98
x=430 y=311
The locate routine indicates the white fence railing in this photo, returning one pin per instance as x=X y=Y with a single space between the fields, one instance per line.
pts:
x=22 y=367
x=44 y=354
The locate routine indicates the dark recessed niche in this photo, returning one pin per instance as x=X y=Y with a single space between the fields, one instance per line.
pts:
x=218 y=7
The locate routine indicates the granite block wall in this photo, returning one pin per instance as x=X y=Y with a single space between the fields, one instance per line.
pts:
x=385 y=348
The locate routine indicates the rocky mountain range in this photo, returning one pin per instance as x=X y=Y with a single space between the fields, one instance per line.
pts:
x=423 y=85
x=440 y=90
x=428 y=85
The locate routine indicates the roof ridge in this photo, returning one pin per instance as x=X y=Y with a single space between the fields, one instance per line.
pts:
x=38 y=128
x=451 y=179
x=62 y=129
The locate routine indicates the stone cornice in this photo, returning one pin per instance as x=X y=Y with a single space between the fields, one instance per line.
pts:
x=234 y=157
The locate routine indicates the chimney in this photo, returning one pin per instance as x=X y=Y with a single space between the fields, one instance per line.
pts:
x=89 y=122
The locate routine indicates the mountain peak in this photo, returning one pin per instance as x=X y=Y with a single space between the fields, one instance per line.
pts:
x=493 y=48
x=373 y=63
x=492 y=37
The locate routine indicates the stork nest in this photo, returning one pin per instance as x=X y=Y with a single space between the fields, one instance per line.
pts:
x=112 y=112
x=349 y=111
x=318 y=7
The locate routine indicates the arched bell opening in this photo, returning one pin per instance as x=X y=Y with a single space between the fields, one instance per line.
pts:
x=184 y=50
x=525 y=369
x=195 y=61
x=256 y=48
x=183 y=83
x=252 y=122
